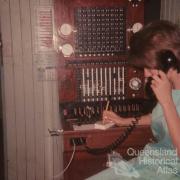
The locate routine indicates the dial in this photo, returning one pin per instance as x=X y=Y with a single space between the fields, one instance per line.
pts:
x=136 y=27
x=67 y=50
x=65 y=29
x=135 y=83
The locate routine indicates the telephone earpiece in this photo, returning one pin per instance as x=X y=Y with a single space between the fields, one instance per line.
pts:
x=167 y=60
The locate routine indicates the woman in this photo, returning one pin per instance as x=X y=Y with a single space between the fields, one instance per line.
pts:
x=156 y=49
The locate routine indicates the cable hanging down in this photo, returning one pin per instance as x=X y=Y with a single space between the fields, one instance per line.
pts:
x=116 y=143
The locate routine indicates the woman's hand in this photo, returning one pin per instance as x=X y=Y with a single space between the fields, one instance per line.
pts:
x=162 y=88
x=109 y=116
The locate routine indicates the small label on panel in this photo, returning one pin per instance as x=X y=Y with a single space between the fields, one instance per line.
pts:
x=45 y=56
x=44 y=29
x=47 y=74
x=46 y=60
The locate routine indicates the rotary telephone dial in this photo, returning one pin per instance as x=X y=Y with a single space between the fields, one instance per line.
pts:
x=167 y=60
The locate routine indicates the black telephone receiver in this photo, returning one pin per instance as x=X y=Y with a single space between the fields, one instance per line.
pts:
x=167 y=60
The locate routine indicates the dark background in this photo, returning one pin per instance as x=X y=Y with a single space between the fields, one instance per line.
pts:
x=151 y=10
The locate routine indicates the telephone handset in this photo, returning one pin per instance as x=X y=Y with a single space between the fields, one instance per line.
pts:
x=148 y=90
x=167 y=60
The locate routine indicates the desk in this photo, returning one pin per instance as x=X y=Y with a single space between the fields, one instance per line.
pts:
x=84 y=164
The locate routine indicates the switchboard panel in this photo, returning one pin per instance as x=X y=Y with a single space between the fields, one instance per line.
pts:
x=92 y=40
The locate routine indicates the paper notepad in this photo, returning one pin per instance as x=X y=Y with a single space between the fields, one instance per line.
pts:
x=97 y=125
x=83 y=127
x=101 y=125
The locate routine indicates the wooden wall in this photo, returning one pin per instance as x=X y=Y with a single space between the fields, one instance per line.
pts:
x=170 y=10
x=30 y=104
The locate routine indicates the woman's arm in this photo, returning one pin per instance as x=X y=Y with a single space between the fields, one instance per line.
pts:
x=109 y=116
x=173 y=122
x=163 y=90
